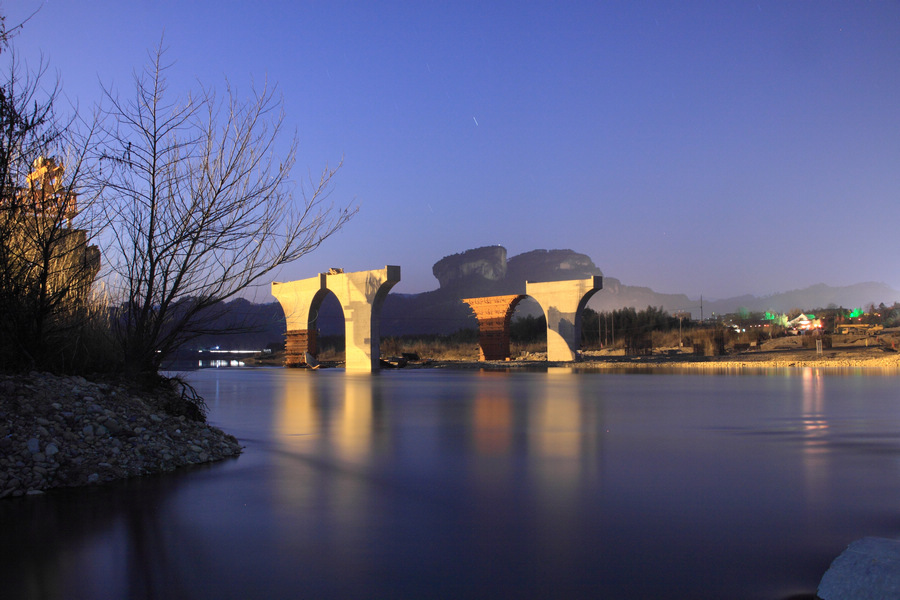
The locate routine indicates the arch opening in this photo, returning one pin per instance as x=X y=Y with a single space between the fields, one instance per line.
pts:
x=528 y=330
x=330 y=329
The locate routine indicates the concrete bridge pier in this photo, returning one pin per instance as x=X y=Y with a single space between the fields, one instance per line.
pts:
x=563 y=303
x=300 y=301
x=361 y=295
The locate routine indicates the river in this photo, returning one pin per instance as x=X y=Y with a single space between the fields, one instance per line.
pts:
x=470 y=484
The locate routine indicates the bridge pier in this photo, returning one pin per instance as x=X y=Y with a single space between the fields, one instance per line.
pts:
x=361 y=295
x=493 y=314
x=563 y=303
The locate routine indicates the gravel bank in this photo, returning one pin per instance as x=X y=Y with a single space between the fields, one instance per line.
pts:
x=58 y=431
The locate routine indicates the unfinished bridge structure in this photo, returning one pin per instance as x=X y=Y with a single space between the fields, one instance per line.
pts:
x=563 y=303
x=361 y=295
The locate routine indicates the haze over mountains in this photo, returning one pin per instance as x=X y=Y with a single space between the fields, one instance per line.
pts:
x=487 y=271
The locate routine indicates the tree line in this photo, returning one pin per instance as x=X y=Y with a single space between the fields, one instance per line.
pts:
x=602 y=328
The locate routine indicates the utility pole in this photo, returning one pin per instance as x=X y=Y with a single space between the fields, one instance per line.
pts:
x=701 y=308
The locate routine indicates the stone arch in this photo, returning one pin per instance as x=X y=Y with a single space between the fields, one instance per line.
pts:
x=494 y=314
x=361 y=295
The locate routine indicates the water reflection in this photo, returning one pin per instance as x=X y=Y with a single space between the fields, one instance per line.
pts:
x=557 y=430
x=815 y=437
x=297 y=418
x=219 y=363
x=124 y=540
x=353 y=427
x=424 y=484
x=815 y=425
x=339 y=418
x=492 y=419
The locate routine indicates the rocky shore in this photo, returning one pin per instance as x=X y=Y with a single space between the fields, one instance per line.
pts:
x=58 y=431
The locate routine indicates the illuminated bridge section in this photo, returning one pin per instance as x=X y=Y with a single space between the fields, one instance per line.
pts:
x=361 y=295
x=563 y=303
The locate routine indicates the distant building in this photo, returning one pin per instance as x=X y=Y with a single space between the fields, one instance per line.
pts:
x=804 y=322
x=36 y=223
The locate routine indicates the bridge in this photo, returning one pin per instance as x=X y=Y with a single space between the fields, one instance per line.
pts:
x=362 y=293
x=563 y=303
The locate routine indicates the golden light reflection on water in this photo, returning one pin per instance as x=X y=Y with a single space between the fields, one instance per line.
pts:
x=297 y=418
x=557 y=424
x=344 y=422
x=564 y=429
x=492 y=422
x=351 y=428
x=814 y=423
x=492 y=416
x=326 y=436
x=541 y=442
x=815 y=431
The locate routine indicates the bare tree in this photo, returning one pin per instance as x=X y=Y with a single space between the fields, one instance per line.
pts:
x=201 y=207
x=46 y=266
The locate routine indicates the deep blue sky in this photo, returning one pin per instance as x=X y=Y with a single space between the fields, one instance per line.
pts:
x=713 y=148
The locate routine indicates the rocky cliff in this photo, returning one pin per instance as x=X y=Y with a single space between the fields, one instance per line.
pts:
x=487 y=262
x=474 y=273
x=551 y=265
x=488 y=267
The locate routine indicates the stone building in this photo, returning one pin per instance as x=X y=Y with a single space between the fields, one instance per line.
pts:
x=39 y=248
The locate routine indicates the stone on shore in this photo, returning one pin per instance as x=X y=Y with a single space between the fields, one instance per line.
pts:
x=60 y=431
x=869 y=569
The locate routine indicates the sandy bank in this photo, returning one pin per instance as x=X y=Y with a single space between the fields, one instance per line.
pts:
x=874 y=358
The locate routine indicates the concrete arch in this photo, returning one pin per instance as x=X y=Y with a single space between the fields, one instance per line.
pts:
x=361 y=295
x=563 y=303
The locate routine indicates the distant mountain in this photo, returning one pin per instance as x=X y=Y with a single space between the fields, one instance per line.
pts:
x=486 y=271
x=244 y=325
x=820 y=295
x=616 y=295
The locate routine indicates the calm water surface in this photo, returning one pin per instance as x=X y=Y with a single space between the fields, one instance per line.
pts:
x=455 y=484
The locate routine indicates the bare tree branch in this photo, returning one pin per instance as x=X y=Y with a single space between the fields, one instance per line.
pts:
x=201 y=206
x=46 y=266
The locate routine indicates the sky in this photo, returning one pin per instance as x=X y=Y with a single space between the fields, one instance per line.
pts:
x=714 y=148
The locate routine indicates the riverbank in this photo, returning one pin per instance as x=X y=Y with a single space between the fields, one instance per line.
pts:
x=781 y=353
x=790 y=356
x=667 y=363
x=786 y=352
x=63 y=431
